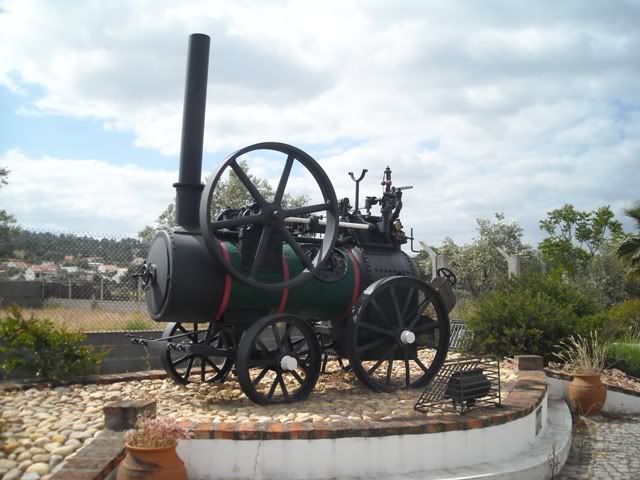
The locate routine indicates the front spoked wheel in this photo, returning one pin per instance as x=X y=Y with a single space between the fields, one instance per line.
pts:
x=398 y=335
x=185 y=367
x=278 y=360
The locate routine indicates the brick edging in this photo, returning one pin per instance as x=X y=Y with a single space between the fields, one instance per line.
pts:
x=95 y=461
x=613 y=388
x=106 y=379
x=523 y=400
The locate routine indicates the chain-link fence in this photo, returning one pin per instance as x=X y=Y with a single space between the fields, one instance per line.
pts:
x=81 y=281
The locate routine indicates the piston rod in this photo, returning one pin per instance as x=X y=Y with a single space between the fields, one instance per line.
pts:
x=357 y=226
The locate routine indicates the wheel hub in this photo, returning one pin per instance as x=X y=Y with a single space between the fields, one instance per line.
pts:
x=288 y=363
x=407 y=337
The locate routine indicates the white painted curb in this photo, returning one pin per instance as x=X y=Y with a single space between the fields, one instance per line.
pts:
x=548 y=453
x=514 y=450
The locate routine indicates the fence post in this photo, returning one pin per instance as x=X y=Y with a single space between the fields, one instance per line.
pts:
x=437 y=261
x=69 y=288
x=513 y=262
x=139 y=288
x=433 y=256
x=101 y=288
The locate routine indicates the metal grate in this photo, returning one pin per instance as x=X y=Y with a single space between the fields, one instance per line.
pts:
x=462 y=384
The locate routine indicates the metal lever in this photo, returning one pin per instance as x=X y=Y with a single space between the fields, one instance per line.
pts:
x=364 y=171
x=412 y=239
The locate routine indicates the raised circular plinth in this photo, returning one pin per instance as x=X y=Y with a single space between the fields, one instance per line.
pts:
x=372 y=448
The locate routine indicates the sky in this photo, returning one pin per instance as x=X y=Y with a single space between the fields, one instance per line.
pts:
x=497 y=106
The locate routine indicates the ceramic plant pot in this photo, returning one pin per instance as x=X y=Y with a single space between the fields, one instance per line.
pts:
x=152 y=464
x=587 y=394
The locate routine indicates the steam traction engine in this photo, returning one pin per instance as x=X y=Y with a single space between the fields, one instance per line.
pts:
x=266 y=290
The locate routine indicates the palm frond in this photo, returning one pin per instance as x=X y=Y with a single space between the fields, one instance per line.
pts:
x=633 y=211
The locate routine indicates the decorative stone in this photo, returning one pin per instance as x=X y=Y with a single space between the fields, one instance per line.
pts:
x=41 y=458
x=31 y=476
x=55 y=460
x=13 y=474
x=24 y=456
x=41 y=442
x=121 y=416
x=39 y=468
x=9 y=446
x=528 y=362
x=59 y=438
x=73 y=442
x=24 y=465
x=76 y=436
x=63 y=451
x=50 y=447
x=7 y=464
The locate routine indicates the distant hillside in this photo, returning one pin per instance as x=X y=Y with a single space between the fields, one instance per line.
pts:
x=43 y=246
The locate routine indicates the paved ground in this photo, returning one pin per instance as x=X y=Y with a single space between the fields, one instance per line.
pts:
x=604 y=448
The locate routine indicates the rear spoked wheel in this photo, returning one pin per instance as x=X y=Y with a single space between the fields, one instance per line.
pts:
x=398 y=335
x=185 y=367
x=278 y=360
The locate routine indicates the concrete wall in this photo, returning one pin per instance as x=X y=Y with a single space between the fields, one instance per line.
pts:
x=359 y=457
x=122 y=356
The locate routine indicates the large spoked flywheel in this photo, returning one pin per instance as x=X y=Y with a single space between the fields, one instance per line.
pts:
x=266 y=217
x=398 y=335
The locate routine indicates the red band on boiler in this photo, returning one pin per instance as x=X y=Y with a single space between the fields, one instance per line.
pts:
x=227 y=284
x=285 y=291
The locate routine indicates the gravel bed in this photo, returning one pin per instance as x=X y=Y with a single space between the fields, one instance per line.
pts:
x=43 y=427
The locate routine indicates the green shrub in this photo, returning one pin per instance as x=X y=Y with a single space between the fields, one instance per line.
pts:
x=44 y=350
x=618 y=322
x=624 y=319
x=625 y=357
x=531 y=314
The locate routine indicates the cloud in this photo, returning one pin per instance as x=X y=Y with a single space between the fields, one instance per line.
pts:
x=84 y=195
x=504 y=106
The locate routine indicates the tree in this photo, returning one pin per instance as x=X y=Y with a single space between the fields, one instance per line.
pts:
x=8 y=228
x=166 y=221
x=479 y=266
x=576 y=237
x=629 y=249
x=229 y=193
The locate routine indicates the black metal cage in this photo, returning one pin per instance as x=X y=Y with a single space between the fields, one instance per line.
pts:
x=463 y=384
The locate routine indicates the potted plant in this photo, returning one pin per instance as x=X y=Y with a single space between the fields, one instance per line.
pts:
x=151 y=450
x=584 y=358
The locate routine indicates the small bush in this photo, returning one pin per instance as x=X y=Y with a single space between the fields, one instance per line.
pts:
x=46 y=351
x=618 y=322
x=624 y=319
x=625 y=357
x=531 y=314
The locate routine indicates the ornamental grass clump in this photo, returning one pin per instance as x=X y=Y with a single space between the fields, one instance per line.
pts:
x=158 y=432
x=583 y=355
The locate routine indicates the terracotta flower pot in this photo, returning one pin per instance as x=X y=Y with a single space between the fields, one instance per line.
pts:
x=152 y=464
x=587 y=394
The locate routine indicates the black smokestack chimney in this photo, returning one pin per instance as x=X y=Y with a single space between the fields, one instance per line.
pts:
x=189 y=186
